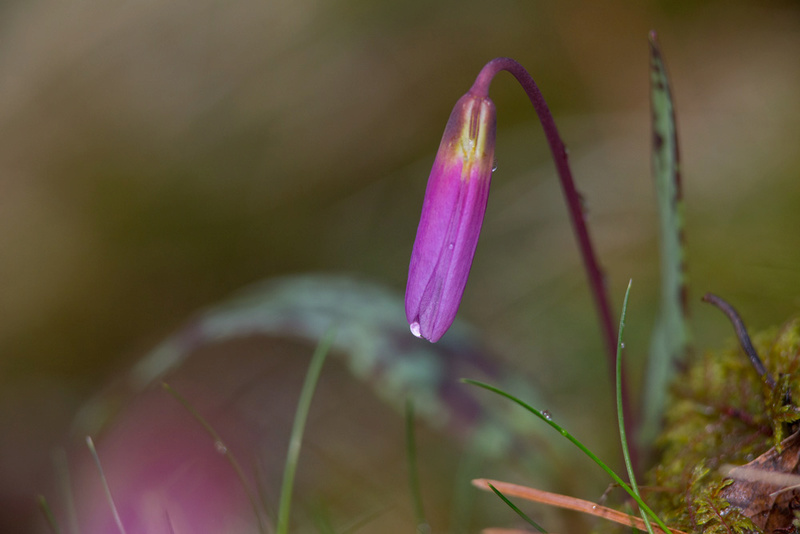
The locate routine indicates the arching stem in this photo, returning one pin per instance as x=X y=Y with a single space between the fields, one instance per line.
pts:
x=744 y=338
x=576 y=212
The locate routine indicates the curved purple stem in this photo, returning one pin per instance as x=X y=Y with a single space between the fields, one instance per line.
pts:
x=593 y=270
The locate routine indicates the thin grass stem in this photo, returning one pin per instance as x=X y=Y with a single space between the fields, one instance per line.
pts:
x=219 y=444
x=549 y=420
x=463 y=498
x=109 y=497
x=296 y=438
x=620 y=416
x=363 y=521
x=61 y=466
x=322 y=519
x=413 y=468
x=48 y=514
x=516 y=509
x=567 y=503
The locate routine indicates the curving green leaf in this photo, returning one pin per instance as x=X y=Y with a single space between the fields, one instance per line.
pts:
x=670 y=340
x=372 y=340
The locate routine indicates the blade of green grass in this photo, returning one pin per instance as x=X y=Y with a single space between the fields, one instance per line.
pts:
x=549 y=420
x=363 y=521
x=413 y=469
x=565 y=502
x=48 y=514
x=106 y=489
x=517 y=510
x=261 y=493
x=322 y=519
x=61 y=467
x=620 y=416
x=462 y=510
x=670 y=339
x=296 y=438
x=220 y=445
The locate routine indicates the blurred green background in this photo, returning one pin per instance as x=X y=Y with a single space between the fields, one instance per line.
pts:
x=156 y=156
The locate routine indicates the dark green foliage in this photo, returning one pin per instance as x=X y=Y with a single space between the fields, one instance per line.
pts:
x=722 y=412
x=714 y=515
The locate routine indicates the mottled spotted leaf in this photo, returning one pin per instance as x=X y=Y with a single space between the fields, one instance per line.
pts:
x=671 y=335
x=373 y=340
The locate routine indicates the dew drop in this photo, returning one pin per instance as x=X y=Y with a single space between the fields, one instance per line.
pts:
x=415 y=329
x=494 y=165
x=220 y=447
x=584 y=206
x=450 y=246
x=622 y=345
x=546 y=414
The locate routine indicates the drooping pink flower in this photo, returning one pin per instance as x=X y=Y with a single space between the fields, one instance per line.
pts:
x=452 y=214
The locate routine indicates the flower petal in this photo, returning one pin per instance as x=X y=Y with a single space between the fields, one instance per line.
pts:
x=452 y=214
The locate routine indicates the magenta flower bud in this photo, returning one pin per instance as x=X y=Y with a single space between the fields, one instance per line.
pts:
x=452 y=214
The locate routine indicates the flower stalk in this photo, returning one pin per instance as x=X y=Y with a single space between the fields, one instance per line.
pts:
x=455 y=201
x=573 y=199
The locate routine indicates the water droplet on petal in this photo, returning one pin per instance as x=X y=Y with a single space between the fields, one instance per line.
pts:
x=494 y=165
x=415 y=329
x=546 y=414
x=220 y=447
x=450 y=246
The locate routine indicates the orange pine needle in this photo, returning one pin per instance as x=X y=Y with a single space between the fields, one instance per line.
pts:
x=566 y=502
x=504 y=531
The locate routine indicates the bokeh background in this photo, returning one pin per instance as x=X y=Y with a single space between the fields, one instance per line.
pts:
x=156 y=156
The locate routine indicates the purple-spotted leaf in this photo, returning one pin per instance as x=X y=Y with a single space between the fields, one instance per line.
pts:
x=372 y=340
x=670 y=338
